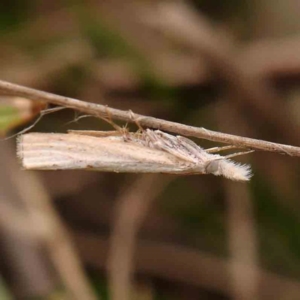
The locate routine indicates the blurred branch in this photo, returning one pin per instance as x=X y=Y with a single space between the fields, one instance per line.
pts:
x=269 y=58
x=135 y=21
x=39 y=70
x=168 y=65
x=185 y=265
x=276 y=58
x=248 y=91
x=99 y=110
x=130 y=211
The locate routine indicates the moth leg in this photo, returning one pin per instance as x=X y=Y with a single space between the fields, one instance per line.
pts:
x=171 y=140
x=174 y=151
x=185 y=147
x=109 y=120
x=238 y=154
x=134 y=118
x=122 y=130
x=169 y=143
x=191 y=146
x=79 y=118
x=96 y=133
x=188 y=141
x=218 y=149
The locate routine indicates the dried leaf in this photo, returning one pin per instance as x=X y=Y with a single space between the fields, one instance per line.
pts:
x=15 y=111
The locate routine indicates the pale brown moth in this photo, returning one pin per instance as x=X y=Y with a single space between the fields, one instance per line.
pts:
x=146 y=151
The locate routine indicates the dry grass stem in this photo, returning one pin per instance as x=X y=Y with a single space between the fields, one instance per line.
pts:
x=99 y=110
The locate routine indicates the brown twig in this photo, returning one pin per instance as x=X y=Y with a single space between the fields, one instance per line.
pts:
x=99 y=110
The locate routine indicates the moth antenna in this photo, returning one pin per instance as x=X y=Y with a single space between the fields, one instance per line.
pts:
x=42 y=114
x=134 y=118
x=79 y=118
x=238 y=154
x=109 y=120
x=219 y=149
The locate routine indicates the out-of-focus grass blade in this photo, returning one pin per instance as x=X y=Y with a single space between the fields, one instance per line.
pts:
x=4 y=293
x=14 y=111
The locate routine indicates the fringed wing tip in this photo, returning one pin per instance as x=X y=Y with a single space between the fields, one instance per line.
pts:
x=236 y=171
x=245 y=172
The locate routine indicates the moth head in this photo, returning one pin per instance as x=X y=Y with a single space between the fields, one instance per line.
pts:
x=228 y=169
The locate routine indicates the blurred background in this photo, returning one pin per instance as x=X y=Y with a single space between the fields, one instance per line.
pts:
x=230 y=66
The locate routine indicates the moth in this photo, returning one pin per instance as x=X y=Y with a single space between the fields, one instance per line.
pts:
x=145 y=151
